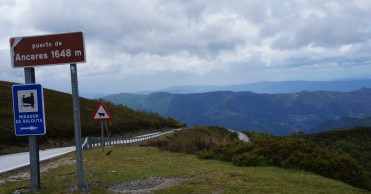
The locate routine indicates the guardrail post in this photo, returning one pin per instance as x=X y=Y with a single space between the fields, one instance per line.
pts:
x=99 y=141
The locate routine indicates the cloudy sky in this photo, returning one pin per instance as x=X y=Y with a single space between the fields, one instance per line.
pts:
x=144 y=45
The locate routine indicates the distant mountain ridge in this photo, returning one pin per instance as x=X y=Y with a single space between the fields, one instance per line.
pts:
x=273 y=87
x=279 y=114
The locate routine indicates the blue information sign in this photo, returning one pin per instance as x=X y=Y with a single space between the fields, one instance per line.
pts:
x=28 y=106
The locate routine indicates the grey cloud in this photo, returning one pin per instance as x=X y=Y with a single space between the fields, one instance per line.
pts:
x=200 y=38
x=332 y=29
x=325 y=33
x=159 y=27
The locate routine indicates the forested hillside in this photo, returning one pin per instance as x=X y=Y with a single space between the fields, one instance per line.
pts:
x=340 y=154
x=59 y=119
x=355 y=141
x=279 y=114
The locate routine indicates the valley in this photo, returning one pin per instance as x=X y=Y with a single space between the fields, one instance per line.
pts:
x=278 y=114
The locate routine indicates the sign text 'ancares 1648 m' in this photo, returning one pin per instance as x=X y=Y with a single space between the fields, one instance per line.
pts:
x=51 y=49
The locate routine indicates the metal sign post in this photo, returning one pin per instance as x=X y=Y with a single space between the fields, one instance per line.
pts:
x=102 y=135
x=33 y=145
x=77 y=125
x=108 y=135
x=52 y=49
x=29 y=119
x=103 y=124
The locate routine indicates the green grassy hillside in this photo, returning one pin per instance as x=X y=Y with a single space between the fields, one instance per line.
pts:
x=284 y=152
x=59 y=120
x=129 y=164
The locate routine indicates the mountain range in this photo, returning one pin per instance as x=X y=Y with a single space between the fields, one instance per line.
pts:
x=279 y=114
x=272 y=87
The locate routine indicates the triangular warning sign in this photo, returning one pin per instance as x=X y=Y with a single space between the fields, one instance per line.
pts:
x=101 y=113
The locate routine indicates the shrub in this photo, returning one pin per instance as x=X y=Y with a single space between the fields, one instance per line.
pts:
x=197 y=139
x=217 y=143
x=225 y=152
x=248 y=159
x=304 y=155
x=160 y=143
x=294 y=154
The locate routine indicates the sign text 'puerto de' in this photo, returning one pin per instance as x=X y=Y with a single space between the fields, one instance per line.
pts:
x=47 y=49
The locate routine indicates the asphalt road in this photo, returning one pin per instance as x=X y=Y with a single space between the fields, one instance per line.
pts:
x=15 y=161
x=241 y=136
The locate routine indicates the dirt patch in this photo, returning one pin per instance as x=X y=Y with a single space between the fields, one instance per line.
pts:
x=145 y=185
x=24 y=173
x=84 y=190
x=22 y=191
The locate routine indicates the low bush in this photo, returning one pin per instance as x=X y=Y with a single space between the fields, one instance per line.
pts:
x=293 y=154
x=227 y=151
x=217 y=143
x=248 y=159
x=356 y=141
x=194 y=140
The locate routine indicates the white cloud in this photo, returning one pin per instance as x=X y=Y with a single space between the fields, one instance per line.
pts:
x=197 y=41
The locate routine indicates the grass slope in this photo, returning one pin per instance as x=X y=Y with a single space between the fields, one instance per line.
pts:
x=59 y=120
x=202 y=176
x=284 y=152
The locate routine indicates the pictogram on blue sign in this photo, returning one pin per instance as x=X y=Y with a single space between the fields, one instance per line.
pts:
x=28 y=106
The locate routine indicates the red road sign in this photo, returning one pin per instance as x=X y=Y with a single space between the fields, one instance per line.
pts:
x=47 y=49
x=101 y=113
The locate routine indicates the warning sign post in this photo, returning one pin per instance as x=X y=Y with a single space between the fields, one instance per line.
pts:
x=102 y=115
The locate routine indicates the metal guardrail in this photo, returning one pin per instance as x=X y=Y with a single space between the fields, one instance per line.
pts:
x=91 y=142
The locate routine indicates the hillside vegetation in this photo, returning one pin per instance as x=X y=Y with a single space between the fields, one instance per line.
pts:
x=59 y=120
x=355 y=141
x=130 y=164
x=266 y=150
x=279 y=114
